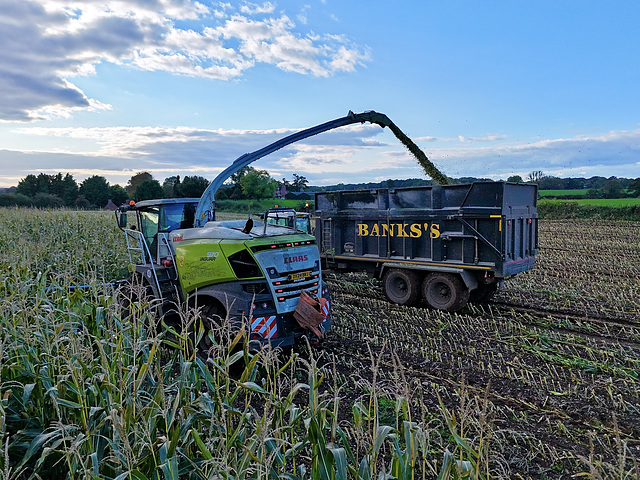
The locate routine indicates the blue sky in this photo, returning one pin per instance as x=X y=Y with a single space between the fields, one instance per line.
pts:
x=182 y=87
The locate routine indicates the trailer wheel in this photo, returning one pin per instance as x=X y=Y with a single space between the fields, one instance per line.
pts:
x=401 y=286
x=445 y=291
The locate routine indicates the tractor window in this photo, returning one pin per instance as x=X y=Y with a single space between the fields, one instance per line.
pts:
x=303 y=224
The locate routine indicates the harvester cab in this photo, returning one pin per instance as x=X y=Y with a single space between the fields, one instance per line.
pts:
x=153 y=220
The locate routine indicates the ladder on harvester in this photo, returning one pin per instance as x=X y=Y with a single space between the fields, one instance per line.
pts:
x=139 y=254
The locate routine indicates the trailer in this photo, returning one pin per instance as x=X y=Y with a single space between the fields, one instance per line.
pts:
x=446 y=244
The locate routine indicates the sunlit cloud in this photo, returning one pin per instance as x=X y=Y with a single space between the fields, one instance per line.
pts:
x=47 y=43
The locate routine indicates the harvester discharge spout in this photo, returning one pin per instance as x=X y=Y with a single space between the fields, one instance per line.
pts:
x=206 y=206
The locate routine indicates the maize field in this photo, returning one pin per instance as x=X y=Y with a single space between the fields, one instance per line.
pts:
x=542 y=382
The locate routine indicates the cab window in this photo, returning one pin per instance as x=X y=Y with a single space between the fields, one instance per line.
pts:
x=149 y=224
x=177 y=215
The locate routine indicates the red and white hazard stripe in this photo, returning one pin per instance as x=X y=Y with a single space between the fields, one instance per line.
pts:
x=325 y=310
x=267 y=327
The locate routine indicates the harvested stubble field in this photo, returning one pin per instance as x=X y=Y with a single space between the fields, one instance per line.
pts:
x=540 y=383
x=554 y=358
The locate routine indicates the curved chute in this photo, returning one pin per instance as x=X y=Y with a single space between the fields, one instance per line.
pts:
x=206 y=206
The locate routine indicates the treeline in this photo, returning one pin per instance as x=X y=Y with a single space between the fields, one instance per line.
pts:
x=409 y=182
x=55 y=191
x=597 y=187
x=562 y=210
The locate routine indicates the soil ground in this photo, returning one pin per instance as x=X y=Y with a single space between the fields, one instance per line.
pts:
x=547 y=372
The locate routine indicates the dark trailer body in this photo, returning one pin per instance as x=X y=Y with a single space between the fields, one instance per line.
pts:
x=449 y=244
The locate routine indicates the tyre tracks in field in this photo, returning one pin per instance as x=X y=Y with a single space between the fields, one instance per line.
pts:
x=623 y=330
x=606 y=345
x=618 y=328
x=511 y=403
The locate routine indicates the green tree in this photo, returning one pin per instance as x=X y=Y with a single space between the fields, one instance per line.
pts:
x=634 y=187
x=95 y=190
x=237 y=177
x=613 y=188
x=28 y=186
x=258 y=184
x=595 y=182
x=515 y=179
x=82 y=202
x=550 y=183
x=47 y=200
x=15 y=199
x=136 y=180
x=171 y=185
x=65 y=187
x=147 y=190
x=224 y=192
x=193 y=187
x=118 y=194
x=44 y=183
x=593 y=193
x=299 y=183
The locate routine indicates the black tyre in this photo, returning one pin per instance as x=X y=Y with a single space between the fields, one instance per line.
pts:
x=445 y=291
x=135 y=296
x=483 y=293
x=401 y=286
x=211 y=318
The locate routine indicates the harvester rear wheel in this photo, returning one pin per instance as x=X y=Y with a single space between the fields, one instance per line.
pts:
x=445 y=291
x=401 y=286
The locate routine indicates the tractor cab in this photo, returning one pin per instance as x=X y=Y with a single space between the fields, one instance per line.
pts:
x=288 y=217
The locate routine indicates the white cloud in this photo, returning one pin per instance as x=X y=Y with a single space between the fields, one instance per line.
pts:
x=253 y=9
x=47 y=42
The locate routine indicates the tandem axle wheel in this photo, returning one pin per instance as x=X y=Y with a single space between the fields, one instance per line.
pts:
x=442 y=291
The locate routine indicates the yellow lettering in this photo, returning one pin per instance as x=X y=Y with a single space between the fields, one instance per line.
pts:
x=435 y=230
x=363 y=230
x=416 y=232
x=375 y=230
x=387 y=230
x=401 y=227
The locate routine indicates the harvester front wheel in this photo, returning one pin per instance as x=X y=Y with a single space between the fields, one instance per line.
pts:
x=445 y=291
x=208 y=329
x=401 y=286
x=136 y=299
